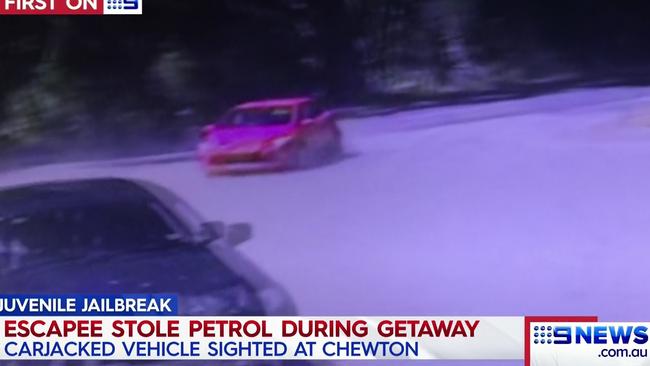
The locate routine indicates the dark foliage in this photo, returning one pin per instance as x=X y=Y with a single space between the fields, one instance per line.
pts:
x=97 y=81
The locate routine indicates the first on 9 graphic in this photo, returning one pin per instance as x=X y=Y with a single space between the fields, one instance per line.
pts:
x=70 y=7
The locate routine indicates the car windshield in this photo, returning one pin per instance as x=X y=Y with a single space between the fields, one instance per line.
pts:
x=89 y=230
x=106 y=236
x=258 y=116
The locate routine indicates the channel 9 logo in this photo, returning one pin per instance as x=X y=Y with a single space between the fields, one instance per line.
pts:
x=590 y=334
x=123 y=7
x=123 y=4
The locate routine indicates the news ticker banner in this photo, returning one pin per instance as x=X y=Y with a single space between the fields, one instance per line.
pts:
x=112 y=327
x=71 y=7
x=259 y=338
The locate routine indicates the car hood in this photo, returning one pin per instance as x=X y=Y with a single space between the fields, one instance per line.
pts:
x=234 y=136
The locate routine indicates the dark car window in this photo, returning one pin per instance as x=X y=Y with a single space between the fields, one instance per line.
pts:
x=258 y=116
x=88 y=230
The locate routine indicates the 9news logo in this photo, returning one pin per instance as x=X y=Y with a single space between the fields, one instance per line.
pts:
x=122 y=7
x=590 y=334
x=123 y=4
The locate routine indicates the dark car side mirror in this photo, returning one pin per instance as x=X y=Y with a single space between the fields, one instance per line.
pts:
x=237 y=234
x=211 y=231
x=233 y=235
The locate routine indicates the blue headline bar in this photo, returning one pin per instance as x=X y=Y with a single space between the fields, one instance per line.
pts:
x=89 y=305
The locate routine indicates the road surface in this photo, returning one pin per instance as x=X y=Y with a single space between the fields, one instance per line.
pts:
x=533 y=206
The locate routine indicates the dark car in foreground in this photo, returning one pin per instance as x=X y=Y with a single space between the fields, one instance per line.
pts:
x=112 y=236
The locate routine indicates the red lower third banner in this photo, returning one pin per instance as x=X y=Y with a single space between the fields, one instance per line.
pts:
x=70 y=7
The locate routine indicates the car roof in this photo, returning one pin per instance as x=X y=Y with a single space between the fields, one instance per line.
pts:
x=266 y=103
x=41 y=196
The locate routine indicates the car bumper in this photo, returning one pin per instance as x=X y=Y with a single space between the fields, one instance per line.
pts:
x=216 y=161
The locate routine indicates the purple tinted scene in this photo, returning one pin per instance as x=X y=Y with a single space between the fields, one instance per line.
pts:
x=403 y=163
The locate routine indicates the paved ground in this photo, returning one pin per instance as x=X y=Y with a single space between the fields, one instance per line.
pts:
x=534 y=206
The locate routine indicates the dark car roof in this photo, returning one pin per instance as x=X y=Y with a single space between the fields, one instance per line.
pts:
x=35 y=197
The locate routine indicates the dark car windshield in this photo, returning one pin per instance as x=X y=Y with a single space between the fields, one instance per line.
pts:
x=106 y=236
x=258 y=116
x=85 y=219
x=89 y=229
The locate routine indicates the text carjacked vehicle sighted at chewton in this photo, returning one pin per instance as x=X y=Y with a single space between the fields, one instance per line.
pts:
x=270 y=134
x=117 y=236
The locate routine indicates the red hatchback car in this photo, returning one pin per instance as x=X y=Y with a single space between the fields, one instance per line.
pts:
x=270 y=134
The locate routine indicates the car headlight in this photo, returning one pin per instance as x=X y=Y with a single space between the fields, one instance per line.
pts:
x=278 y=142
